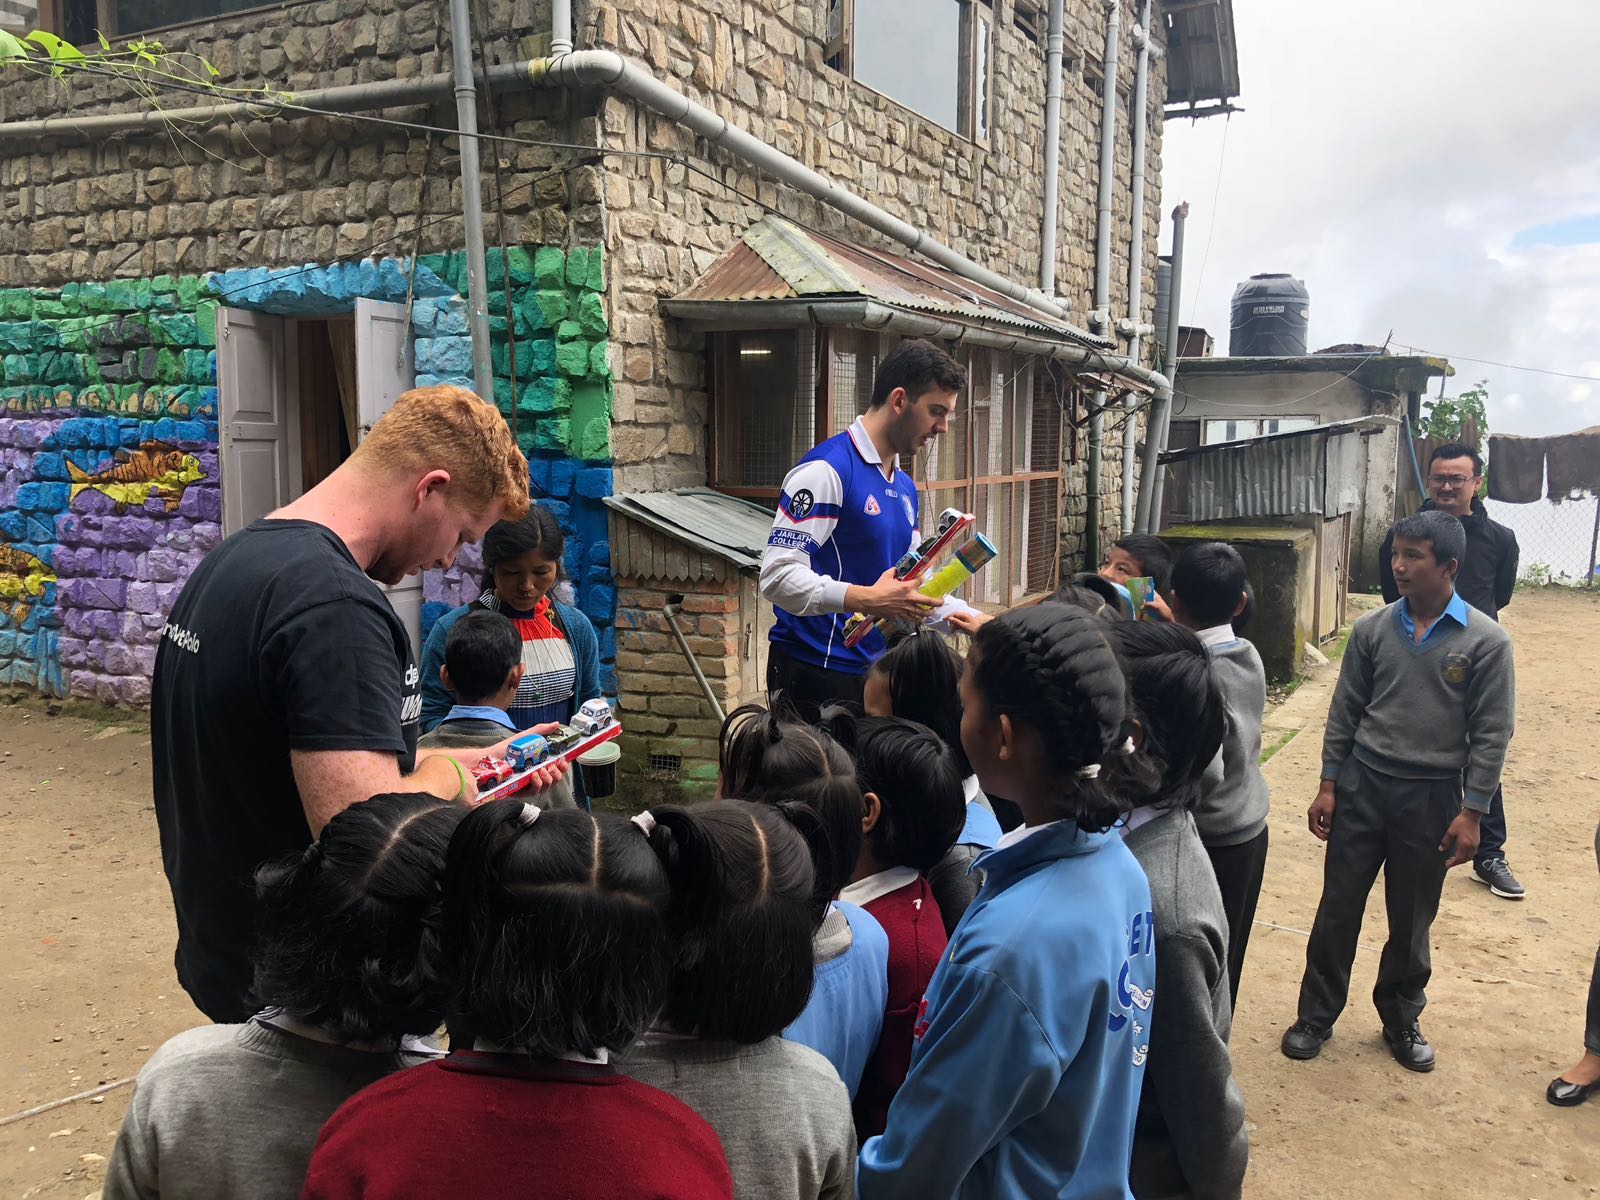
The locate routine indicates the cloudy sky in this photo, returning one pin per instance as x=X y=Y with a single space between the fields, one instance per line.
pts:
x=1428 y=167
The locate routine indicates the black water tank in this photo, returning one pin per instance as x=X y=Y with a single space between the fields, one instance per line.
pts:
x=1270 y=316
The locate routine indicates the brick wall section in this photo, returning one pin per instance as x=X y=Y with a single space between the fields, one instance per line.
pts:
x=662 y=707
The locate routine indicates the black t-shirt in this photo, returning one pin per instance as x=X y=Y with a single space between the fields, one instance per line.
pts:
x=277 y=641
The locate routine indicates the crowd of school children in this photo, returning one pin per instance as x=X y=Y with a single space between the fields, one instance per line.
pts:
x=981 y=940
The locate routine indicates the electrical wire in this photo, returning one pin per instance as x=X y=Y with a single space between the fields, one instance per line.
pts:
x=1489 y=362
x=1216 y=193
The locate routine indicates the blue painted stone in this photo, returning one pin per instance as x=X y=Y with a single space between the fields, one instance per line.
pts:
x=563 y=474
x=560 y=510
x=193 y=431
x=43 y=497
x=539 y=476
x=595 y=482
x=608 y=644
x=50 y=467
x=600 y=602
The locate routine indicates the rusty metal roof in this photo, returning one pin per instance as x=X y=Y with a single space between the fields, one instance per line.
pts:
x=777 y=260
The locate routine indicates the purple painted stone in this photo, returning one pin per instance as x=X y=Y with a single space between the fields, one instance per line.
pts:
x=96 y=593
x=30 y=435
x=107 y=624
x=136 y=691
x=164 y=565
x=82 y=683
x=143 y=598
x=72 y=652
x=145 y=657
x=93 y=502
x=118 y=659
x=78 y=622
x=207 y=535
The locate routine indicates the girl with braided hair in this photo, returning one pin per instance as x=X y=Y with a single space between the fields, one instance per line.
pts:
x=807 y=774
x=1029 y=1057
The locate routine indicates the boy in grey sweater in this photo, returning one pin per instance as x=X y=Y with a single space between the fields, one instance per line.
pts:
x=1209 y=594
x=1426 y=692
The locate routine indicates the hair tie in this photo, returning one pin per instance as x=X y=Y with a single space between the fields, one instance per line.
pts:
x=645 y=822
x=1127 y=746
x=1092 y=771
x=528 y=815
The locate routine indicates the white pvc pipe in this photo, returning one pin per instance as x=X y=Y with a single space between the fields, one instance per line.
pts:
x=1100 y=319
x=560 y=27
x=1130 y=426
x=471 y=198
x=1055 y=48
x=1152 y=477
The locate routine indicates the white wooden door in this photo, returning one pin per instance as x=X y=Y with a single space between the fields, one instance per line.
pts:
x=252 y=415
x=384 y=369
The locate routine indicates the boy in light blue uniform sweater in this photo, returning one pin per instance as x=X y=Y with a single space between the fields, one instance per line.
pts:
x=1028 y=1065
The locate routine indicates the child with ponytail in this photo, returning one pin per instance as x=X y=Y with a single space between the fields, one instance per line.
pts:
x=1028 y=1062
x=739 y=925
x=919 y=679
x=805 y=772
x=556 y=944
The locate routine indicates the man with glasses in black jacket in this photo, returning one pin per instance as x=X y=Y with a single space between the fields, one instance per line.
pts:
x=1486 y=579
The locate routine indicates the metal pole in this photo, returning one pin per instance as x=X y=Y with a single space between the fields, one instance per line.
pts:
x=1100 y=319
x=671 y=611
x=1055 y=47
x=1153 y=480
x=1594 y=544
x=471 y=198
x=1130 y=425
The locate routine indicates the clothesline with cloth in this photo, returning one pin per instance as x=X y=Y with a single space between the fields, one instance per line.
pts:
x=1525 y=470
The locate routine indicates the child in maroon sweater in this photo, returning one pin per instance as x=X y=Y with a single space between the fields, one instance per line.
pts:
x=914 y=809
x=553 y=933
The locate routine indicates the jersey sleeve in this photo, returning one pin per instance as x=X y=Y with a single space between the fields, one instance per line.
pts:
x=333 y=671
x=808 y=513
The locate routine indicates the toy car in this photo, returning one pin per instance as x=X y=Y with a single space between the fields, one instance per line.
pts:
x=488 y=772
x=527 y=751
x=592 y=717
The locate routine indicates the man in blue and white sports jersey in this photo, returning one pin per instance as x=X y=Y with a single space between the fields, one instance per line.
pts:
x=847 y=514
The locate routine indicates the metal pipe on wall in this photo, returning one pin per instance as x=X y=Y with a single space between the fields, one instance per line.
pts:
x=1152 y=478
x=471 y=198
x=1100 y=318
x=1055 y=48
x=1130 y=425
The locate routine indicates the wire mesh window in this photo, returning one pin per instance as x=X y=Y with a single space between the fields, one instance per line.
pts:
x=1000 y=459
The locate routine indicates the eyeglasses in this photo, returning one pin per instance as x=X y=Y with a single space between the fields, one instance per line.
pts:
x=1451 y=481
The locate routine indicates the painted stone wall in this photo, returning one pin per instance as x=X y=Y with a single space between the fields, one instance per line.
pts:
x=110 y=485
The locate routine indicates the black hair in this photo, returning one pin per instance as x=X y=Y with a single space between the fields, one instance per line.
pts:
x=483 y=648
x=1209 y=578
x=506 y=540
x=924 y=677
x=1458 y=450
x=349 y=929
x=1051 y=668
x=1443 y=533
x=1154 y=555
x=921 y=797
x=554 y=930
x=1179 y=704
x=739 y=921
x=1096 y=596
x=805 y=772
x=1248 y=612
x=919 y=367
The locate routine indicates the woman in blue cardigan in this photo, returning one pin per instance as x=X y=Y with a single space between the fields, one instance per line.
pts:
x=560 y=652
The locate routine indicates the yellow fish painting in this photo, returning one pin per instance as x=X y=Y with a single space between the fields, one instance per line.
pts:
x=154 y=469
x=22 y=581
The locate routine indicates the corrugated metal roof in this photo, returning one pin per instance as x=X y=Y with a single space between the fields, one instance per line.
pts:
x=1301 y=473
x=777 y=260
x=726 y=526
x=1202 y=53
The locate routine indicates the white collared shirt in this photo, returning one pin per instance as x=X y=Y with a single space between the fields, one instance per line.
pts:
x=863 y=891
x=1021 y=833
x=1217 y=635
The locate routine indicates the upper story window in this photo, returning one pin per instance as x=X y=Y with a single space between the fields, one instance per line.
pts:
x=1231 y=429
x=79 y=21
x=935 y=57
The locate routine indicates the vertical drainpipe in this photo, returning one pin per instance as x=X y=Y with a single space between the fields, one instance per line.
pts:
x=1134 y=323
x=1055 y=47
x=1100 y=318
x=471 y=197
x=1152 y=478
x=560 y=28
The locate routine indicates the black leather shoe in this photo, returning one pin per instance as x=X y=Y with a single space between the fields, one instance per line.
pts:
x=1569 y=1095
x=1410 y=1048
x=1304 y=1040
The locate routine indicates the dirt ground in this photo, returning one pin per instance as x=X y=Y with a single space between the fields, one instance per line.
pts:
x=86 y=935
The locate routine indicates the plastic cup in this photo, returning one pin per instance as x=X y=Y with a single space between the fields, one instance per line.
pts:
x=599 y=767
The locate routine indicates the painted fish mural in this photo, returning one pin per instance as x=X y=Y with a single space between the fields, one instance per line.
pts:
x=154 y=469
x=22 y=581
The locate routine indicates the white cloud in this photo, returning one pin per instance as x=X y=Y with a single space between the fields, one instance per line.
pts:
x=1388 y=156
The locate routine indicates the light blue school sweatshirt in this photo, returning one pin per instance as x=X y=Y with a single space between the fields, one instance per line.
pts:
x=844 y=1017
x=1026 y=1074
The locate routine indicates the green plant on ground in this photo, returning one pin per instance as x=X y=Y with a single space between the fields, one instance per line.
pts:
x=1277 y=744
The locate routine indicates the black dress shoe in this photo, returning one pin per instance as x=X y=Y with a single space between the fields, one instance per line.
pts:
x=1410 y=1048
x=1569 y=1095
x=1304 y=1040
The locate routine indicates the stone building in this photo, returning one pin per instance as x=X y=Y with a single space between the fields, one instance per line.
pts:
x=200 y=312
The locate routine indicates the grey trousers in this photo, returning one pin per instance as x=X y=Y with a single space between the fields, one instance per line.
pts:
x=1395 y=824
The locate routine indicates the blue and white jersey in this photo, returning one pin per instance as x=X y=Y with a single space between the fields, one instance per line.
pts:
x=839 y=522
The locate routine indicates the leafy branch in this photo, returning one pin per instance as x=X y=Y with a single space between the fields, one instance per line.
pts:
x=1446 y=417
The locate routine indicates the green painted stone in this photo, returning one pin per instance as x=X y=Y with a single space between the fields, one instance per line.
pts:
x=197 y=366
x=591 y=314
x=544 y=356
x=577 y=266
x=549 y=266
x=123 y=296
x=190 y=287
x=205 y=320
x=150 y=403
x=128 y=397
x=572 y=358
x=594 y=441
x=49 y=310
x=595 y=279
x=521 y=265
x=92 y=297
x=552 y=434
x=169 y=366
x=16 y=302
x=163 y=283
x=599 y=360
x=545 y=396
x=21 y=368
x=95 y=398
x=591 y=399
x=553 y=303
x=176 y=329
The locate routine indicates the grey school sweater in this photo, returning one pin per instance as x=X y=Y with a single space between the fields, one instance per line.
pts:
x=231 y=1112
x=779 y=1108
x=1429 y=711
x=1189 y=1138
x=1233 y=792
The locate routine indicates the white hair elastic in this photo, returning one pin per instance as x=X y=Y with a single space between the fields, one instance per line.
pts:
x=528 y=815
x=1127 y=746
x=1092 y=771
x=645 y=822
